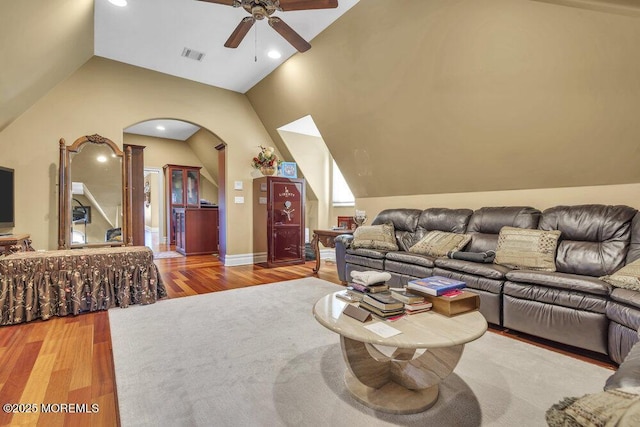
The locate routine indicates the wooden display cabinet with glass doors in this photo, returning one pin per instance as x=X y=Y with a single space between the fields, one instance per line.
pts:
x=182 y=191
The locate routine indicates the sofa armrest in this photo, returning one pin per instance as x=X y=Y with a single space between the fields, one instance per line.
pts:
x=628 y=374
x=342 y=242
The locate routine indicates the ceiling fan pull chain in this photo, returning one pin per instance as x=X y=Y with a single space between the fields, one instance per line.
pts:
x=255 y=47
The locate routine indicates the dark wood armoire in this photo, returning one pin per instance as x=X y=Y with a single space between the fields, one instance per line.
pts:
x=278 y=220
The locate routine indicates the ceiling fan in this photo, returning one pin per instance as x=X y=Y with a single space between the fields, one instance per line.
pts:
x=261 y=9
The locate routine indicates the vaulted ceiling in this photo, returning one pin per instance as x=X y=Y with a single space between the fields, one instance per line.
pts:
x=417 y=96
x=44 y=41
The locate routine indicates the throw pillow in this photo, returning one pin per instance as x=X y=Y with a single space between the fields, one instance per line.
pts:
x=617 y=407
x=381 y=237
x=437 y=243
x=627 y=277
x=523 y=248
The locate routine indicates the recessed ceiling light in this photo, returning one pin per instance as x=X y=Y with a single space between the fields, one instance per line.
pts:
x=160 y=127
x=102 y=159
x=274 y=54
x=121 y=3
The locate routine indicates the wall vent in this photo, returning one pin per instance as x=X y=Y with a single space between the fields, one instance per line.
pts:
x=192 y=54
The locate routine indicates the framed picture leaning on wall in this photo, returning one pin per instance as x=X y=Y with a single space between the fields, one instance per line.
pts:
x=288 y=170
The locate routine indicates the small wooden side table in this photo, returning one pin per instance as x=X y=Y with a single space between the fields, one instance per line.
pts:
x=326 y=237
x=15 y=243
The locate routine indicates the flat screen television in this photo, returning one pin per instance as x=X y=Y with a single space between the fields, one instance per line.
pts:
x=7 y=199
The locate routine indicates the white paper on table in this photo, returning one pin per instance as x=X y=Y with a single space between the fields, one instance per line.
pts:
x=382 y=329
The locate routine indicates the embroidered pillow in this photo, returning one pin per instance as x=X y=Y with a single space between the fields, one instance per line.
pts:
x=523 y=248
x=437 y=243
x=382 y=237
x=627 y=277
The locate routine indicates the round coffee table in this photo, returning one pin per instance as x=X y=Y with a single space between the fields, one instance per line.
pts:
x=423 y=354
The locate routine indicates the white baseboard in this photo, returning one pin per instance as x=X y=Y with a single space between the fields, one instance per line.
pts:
x=261 y=257
x=244 y=259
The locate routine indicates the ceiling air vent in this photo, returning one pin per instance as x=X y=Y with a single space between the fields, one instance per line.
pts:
x=192 y=54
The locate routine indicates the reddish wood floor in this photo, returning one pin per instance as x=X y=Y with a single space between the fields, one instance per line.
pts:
x=69 y=360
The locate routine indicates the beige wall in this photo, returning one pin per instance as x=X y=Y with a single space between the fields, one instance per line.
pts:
x=421 y=98
x=203 y=144
x=626 y=194
x=43 y=42
x=105 y=97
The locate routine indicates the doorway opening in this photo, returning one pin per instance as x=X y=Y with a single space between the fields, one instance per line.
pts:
x=153 y=209
x=174 y=142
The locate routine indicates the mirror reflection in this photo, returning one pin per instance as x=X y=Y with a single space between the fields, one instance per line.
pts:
x=95 y=174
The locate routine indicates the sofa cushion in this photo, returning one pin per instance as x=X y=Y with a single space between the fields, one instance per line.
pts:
x=443 y=219
x=557 y=297
x=411 y=258
x=527 y=249
x=404 y=269
x=572 y=282
x=628 y=277
x=486 y=284
x=437 y=243
x=485 y=224
x=375 y=237
x=595 y=238
x=364 y=261
x=367 y=253
x=634 y=244
x=492 y=271
x=405 y=222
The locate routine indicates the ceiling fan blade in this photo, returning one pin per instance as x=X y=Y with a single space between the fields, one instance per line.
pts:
x=227 y=2
x=307 y=4
x=291 y=36
x=238 y=34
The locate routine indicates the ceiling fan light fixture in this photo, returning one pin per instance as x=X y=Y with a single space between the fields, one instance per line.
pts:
x=263 y=9
x=119 y=3
x=274 y=54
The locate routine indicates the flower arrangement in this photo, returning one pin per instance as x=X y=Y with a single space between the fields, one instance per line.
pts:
x=266 y=158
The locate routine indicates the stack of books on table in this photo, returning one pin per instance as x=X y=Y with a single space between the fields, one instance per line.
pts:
x=435 y=285
x=382 y=304
x=369 y=282
x=413 y=303
x=418 y=307
x=446 y=295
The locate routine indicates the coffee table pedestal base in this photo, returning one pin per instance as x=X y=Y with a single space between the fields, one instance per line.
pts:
x=392 y=397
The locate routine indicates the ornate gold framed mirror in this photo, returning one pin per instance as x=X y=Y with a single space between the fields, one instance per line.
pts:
x=94 y=206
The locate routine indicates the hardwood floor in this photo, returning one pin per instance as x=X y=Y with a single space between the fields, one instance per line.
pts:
x=68 y=360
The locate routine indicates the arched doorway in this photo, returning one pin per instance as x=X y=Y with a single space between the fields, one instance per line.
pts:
x=174 y=141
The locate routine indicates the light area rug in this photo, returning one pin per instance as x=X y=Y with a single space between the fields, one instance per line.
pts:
x=167 y=254
x=257 y=357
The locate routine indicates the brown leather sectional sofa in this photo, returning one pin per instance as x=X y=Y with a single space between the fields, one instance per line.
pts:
x=571 y=305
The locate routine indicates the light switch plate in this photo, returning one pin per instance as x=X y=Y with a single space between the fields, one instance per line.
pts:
x=262 y=200
x=237 y=185
x=238 y=199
